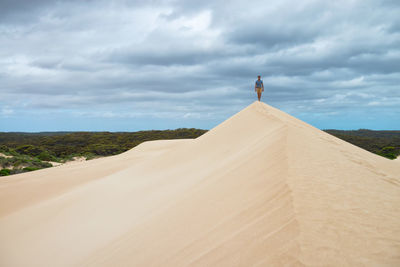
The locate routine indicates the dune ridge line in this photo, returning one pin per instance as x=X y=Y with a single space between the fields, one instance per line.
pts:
x=261 y=189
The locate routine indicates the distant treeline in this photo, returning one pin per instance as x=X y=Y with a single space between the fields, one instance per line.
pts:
x=384 y=143
x=32 y=151
x=80 y=143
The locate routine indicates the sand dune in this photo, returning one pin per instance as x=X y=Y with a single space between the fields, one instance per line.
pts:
x=260 y=189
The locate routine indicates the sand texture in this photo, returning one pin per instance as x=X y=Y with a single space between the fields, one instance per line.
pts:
x=261 y=189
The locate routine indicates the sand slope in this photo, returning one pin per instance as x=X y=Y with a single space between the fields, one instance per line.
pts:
x=260 y=189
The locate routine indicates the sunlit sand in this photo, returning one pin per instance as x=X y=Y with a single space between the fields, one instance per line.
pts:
x=261 y=189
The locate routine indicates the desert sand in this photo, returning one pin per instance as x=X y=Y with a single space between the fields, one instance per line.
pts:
x=261 y=189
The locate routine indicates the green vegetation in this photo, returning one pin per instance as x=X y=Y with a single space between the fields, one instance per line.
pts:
x=384 y=143
x=29 y=169
x=389 y=152
x=5 y=172
x=32 y=151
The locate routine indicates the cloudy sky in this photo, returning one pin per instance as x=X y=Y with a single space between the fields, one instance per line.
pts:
x=120 y=65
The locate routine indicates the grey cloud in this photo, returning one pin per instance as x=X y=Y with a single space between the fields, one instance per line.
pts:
x=25 y=11
x=13 y=7
x=164 y=57
x=269 y=38
x=198 y=55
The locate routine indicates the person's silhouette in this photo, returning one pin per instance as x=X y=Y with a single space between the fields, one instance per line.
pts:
x=259 y=87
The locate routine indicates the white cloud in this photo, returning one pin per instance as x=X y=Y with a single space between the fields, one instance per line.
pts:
x=197 y=59
x=6 y=112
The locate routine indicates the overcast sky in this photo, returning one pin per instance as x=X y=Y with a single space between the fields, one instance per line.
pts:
x=120 y=65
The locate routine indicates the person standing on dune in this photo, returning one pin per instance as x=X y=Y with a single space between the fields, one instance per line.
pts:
x=259 y=87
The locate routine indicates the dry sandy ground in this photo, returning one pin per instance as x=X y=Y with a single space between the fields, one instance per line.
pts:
x=55 y=164
x=5 y=156
x=73 y=161
x=260 y=189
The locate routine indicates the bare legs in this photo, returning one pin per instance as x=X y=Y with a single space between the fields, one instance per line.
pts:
x=259 y=94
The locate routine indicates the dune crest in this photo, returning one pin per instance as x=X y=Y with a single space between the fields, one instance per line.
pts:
x=261 y=189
